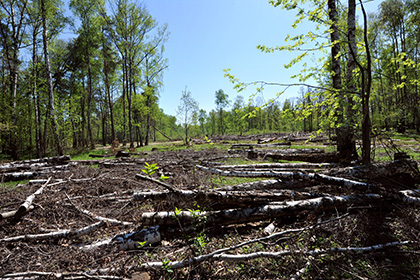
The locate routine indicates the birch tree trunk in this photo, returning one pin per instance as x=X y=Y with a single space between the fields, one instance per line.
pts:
x=49 y=79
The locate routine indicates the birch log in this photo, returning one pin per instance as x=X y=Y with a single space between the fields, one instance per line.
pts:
x=288 y=176
x=221 y=199
x=246 y=215
x=24 y=208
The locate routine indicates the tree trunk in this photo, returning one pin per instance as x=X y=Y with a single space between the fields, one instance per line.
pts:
x=49 y=79
x=90 y=96
x=344 y=141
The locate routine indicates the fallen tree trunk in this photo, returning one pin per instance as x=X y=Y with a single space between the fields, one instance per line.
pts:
x=11 y=214
x=298 y=165
x=288 y=176
x=321 y=157
x=405 y=170
x=238 y=216
x=221 y=199
x=270 y=184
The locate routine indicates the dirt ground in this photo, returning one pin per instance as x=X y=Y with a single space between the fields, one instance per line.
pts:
x=105 y=188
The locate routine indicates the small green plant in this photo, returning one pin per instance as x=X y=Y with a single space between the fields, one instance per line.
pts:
x=150 y=169
x=166 y=266
x=208 y=140
x=163 y=178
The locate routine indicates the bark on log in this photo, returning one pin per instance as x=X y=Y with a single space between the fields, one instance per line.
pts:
x=238 y=216
x=259 y=145
x=289 y=176
x=306 y=157
x=221 y=199
x=11 y=214
x=17 y=176
x=270 y=184
x=385 y=171
x=271 y=166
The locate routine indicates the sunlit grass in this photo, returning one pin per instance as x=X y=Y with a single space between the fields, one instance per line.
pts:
x=12 y=184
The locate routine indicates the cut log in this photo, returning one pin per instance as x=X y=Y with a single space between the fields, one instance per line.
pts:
x=239 y=216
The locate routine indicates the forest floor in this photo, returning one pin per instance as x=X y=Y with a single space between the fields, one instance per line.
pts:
x=100 y=219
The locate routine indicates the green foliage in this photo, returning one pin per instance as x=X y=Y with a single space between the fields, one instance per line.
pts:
x=150 y=169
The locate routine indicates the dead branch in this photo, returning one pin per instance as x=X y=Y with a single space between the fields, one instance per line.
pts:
x=246 y=215
x=99 y=218
x=53 y=275
x=24 y=208
x=147 y=178
x=67 y=233
x=316 y=252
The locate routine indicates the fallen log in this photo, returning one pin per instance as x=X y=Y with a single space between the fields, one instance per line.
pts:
x=11 y=214
x=271 y=166
x=246 y=215
x=17 y=176
x=259 y=145
x=270 y=184
x=221 y=199
x=59 y=160
x=406 y=172
x=24 y=208
x=321 y=157
x=288 y=176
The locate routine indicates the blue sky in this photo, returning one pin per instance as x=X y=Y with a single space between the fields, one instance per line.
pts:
x=209 y=36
